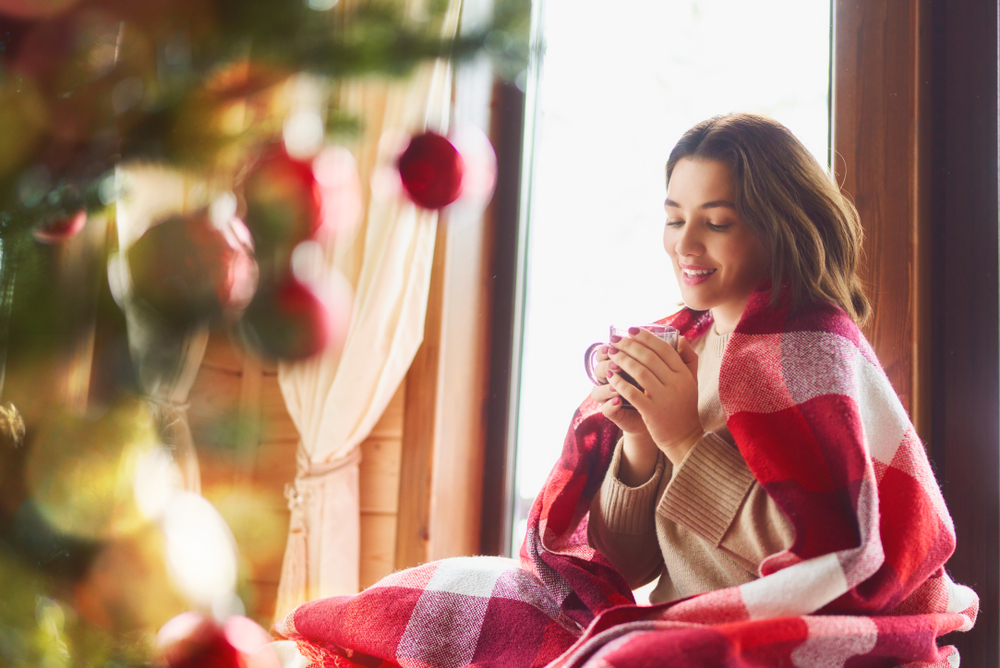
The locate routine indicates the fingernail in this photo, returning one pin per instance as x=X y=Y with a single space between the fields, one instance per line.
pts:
x=612 y=350
x=615 y=338
x=616 y=401
x=604 y=350
x=614 y=367
x=612 y=389
x=633 y=330
x=610 y=374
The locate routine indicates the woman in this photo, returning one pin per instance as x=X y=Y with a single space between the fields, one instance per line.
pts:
x=746 y=203
x=768 y=474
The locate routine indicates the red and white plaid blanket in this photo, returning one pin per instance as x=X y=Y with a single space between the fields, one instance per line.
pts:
x=819 y=426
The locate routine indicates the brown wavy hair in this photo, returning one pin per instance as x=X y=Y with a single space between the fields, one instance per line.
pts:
x=811 y=230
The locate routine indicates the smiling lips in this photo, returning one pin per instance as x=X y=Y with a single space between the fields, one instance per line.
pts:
x=693 y=275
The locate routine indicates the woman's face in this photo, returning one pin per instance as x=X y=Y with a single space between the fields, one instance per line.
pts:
x=717 y=259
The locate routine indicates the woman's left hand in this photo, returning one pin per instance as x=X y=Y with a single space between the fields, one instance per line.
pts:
x=668 y=402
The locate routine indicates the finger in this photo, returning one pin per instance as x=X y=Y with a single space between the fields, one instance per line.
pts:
x=651 y=350
x=626 y=389
x=688 y=355
x=642 y=364
x=602 y=393
x=686 y=352
x=613 y=410
x=601 y=370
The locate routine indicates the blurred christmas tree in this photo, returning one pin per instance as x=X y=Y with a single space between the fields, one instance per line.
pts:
x=89 y=88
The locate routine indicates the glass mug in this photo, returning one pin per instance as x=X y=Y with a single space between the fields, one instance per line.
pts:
x=664 y=332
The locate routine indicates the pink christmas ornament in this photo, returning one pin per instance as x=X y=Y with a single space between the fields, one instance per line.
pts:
x=61 y=229
x=193 y=640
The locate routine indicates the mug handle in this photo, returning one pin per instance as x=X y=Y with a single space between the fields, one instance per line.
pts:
x=588 y=362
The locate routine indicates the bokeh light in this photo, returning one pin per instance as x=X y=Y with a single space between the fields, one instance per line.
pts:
x=200 y=550
x=79 y=471
x=157 y=480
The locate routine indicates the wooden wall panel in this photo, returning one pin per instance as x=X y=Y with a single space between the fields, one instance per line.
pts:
x=419 y=422
x=380 y=470
x=276 y=423
x=378 y=547
x=379 y=475
x=444 y=431
x=246 y=443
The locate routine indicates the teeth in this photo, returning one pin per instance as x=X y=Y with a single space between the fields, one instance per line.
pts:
x=700 y=272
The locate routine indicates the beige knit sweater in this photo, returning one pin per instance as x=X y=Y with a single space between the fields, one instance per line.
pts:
x=706 y=524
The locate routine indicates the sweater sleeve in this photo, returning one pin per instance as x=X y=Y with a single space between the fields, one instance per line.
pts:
x=714 y=494
x=622 y=523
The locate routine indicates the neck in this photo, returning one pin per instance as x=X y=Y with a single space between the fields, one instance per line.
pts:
x=727 y=316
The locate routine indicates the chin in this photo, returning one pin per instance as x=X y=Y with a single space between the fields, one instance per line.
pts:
x=693 y=303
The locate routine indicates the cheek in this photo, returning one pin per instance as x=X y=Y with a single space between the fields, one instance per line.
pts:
x=668 y=243
x=751 y=260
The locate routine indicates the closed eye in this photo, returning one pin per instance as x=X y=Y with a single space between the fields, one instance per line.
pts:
x=719 y=228
x=674 y=223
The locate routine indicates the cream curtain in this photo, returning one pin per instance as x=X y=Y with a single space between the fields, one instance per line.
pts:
x=336 y=398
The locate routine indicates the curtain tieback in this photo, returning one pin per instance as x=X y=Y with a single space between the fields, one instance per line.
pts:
x=163 y=402
x=309 y=472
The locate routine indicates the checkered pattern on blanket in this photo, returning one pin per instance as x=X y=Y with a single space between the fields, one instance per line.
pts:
x=820 y=428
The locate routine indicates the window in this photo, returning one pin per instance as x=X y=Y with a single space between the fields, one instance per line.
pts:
x=615 y=91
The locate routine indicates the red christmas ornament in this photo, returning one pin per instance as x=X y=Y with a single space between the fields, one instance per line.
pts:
x=431 y=169
x=187 y=269
x=192 y=640
x=287 y=321
x=60 y=230
x=284 y=201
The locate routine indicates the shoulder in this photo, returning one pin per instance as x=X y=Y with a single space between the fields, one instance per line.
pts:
x=781 y=357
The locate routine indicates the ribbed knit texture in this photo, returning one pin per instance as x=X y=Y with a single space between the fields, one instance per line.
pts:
x=627 y=508
x=707 y=489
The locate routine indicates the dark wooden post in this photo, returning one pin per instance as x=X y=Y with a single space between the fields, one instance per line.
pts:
x=915 y=135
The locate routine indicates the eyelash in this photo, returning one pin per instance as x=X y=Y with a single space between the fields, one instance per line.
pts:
x=711 y=226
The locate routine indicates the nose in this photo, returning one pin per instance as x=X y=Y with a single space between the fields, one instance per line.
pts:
x=687 y=242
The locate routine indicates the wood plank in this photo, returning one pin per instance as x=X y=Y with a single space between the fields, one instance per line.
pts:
x=222 y=353
x=378 y=547
x=262 y=600
x=877 y=141
x=390 y=425
x=419 y=421
x=379 y=474
x=275 y=465
x=276 y=423
x=459 y=438
x=213 y=401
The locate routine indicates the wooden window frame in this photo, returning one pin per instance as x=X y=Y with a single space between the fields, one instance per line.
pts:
x=915 y=141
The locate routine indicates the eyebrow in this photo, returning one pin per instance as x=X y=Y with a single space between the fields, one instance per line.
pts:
x=707 y=205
